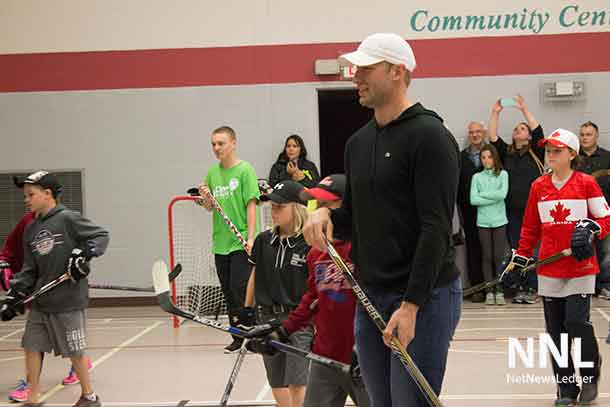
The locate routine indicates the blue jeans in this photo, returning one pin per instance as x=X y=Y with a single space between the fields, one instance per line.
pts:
x=385 y=378
x=602 y=249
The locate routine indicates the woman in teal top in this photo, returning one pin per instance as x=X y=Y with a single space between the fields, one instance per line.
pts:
x=488 y=191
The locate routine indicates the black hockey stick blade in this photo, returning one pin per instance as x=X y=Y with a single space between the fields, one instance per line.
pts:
x=162 y=290
x=175 y=272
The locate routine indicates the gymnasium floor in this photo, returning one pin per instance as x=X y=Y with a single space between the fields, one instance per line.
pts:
x=140 y=360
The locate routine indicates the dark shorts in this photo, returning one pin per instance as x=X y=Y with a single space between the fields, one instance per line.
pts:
x=64 y=333
x=283 y=369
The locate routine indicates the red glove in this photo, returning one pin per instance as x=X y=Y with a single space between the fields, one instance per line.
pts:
x=5 y=275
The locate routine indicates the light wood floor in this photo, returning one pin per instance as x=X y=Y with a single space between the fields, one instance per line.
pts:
x=140 y=360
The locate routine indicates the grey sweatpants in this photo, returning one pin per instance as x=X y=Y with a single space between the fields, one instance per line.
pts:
x=327 y=387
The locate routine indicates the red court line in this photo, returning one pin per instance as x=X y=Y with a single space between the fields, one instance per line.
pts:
x=247 y=65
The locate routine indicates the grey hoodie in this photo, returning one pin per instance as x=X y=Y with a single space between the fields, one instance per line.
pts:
x=48 y=242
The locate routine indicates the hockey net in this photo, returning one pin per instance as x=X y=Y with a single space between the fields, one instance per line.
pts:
x=197 y=288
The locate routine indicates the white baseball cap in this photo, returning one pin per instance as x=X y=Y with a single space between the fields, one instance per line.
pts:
x=380 y=47
x=562 y=138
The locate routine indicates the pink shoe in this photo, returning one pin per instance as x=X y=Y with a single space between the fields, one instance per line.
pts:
x=71 y=378
x=21 y=392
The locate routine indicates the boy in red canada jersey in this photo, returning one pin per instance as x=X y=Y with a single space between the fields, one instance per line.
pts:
x=566 y=209
x=330 y=302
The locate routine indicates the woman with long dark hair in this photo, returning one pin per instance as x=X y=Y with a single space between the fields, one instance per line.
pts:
x=292 y=164
x=523 y=161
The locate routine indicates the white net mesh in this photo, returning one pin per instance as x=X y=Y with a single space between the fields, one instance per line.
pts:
x=197 y=287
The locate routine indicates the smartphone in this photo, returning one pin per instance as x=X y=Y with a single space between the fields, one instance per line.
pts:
x=508 y=102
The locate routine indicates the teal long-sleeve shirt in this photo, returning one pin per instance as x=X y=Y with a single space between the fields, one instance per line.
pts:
x=488 y=192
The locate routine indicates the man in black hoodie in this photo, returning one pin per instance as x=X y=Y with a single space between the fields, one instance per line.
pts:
x=402 y=173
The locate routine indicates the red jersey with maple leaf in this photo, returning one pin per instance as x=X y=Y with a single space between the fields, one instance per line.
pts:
x=550 y=216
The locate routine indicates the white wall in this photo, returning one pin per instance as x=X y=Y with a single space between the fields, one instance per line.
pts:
x=139 y=148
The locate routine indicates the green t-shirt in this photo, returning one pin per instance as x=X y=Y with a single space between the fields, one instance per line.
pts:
x=233 y=188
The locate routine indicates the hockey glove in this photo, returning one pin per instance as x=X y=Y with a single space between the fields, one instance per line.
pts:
x=583 y=236
x=512 y=272
x=78 y=265
x=261 y=346
x=12 y=305
x=273 y=329
x=263 y=334
x=5 y=275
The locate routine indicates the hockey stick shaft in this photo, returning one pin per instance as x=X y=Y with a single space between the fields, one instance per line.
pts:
x=242 y=352
x=161 y=284
x=226 y=219
x=397 y=348
x=234 y=372
x=276 y=344
x=101 y=286
x=45 y=288
x=547 y=260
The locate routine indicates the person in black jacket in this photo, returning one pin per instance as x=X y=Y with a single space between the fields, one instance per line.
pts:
x=523 y=160
x=470 y=164
x=593 y=159
x=402 y=172
x=292 y=164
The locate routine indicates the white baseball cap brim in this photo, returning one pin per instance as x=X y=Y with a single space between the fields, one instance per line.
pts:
x=358 y=58
x=381 y=47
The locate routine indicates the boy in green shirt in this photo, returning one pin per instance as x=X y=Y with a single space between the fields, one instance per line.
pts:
x=234 y=184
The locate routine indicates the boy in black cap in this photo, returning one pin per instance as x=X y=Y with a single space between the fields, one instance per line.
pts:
x=276 y=285
x=57 y=240
x=329 y=301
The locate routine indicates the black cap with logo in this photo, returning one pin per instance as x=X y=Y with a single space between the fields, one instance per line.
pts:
x=285 y=192
x=42 y=178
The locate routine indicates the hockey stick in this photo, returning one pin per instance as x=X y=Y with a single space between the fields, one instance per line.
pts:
x=489 y=284
x=233 y=376
x=47 y=287
x=242 y=351
x=397 y=349
x=172 y=276
x=226 y=219
x=162 y=289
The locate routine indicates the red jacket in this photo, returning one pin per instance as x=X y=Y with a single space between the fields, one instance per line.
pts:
x=334 y=312
x=550 y=216
x=12 y=251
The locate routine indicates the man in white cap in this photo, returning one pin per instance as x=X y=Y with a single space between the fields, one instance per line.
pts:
x=402 y=173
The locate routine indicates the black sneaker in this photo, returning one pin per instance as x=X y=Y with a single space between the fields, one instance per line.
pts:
x=588 y=394
x=565 y=401
x=477 y=297
x=234 y=346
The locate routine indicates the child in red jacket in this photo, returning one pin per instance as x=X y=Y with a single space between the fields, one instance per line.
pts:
x=566 y=209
